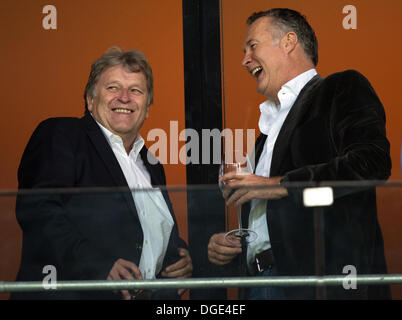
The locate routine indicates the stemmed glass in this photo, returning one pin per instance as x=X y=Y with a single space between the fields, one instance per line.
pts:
x=238 y=162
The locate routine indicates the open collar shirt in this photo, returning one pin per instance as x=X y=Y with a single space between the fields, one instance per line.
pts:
x=270 y=123
x=153 y=213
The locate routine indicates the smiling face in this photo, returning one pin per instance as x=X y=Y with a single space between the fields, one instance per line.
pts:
x=120 y=102
x=265 y=57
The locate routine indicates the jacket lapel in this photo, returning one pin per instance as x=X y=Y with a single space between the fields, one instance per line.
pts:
x=106 y=154
x=259 y=146
x=156 y=179
x=298 y=109
x=157 y=175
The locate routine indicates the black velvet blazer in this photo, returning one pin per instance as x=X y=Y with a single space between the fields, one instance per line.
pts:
x=335 y=131
x=81 y=234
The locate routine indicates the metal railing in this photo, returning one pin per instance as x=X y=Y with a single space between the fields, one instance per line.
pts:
x=200 y=283
x=319 y=280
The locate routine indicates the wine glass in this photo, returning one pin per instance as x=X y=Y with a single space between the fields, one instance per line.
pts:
x=238 y=162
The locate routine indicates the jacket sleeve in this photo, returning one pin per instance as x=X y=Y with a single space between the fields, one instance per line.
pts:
x=49 y=162
x=357 y=133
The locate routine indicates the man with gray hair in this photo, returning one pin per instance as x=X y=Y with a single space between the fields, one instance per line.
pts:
x=312 y=130
x=113 y=235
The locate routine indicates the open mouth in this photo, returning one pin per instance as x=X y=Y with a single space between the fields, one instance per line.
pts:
x=256 y=71
x=122 y=110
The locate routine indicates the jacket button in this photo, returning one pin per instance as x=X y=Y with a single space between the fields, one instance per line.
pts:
x=138 y=246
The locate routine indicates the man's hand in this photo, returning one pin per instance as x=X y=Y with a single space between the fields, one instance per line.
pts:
x=234 y=181
x=124 y=270
x=181 y=269
x=221 y=251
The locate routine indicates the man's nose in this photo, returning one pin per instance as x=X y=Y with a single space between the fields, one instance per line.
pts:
x=246 y=59
x=124 y=96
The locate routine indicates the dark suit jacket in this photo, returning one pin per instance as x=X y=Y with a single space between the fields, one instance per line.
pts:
x=84 y=233
x=335 y=131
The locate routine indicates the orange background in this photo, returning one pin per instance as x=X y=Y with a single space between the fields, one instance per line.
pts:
x=44 y=72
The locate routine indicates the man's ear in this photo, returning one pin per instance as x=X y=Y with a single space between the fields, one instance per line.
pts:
x=289 y=41
x=90 y=101
x=147 y=112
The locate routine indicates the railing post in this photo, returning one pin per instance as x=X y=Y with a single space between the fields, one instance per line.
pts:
x=317 y=198
x=319 y=245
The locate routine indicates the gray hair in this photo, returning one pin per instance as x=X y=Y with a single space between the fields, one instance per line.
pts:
x=133 y=60
x=286 y=20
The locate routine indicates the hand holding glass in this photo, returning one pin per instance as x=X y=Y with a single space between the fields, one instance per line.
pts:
x=240 y=164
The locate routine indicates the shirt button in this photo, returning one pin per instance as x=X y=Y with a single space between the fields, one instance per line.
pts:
x=146 y=241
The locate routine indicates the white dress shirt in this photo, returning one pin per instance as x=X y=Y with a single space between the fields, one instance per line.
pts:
x=270 y=123
x=153 y=213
